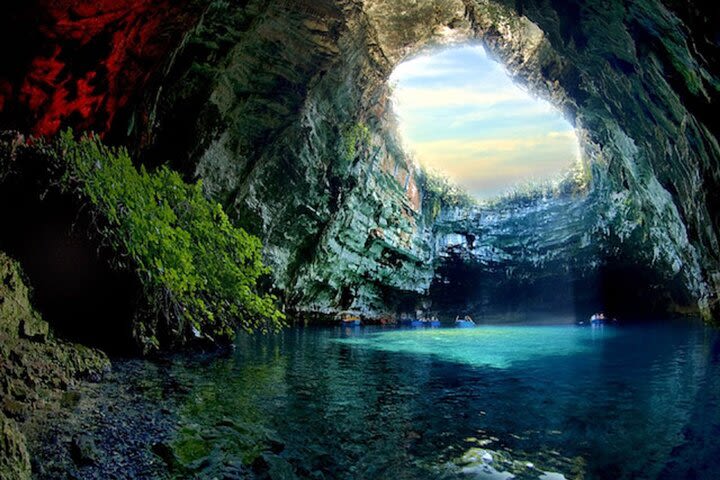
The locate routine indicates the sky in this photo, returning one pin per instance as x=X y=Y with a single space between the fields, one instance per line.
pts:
x=460 y=114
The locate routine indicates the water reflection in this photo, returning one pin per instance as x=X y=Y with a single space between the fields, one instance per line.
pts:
x=369 y=403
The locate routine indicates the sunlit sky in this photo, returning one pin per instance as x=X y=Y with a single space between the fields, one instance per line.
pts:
x=461 y=115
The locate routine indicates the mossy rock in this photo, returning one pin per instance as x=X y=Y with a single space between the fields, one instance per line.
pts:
x=14 y=457
x=17 y=316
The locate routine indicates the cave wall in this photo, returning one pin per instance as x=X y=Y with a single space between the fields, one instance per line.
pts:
x=295 y=138
x=641 y=87
x=36 y=368
x=282 y=109
x=537 y=254
x=639 y=80
x=83 y=64
x=549 y=251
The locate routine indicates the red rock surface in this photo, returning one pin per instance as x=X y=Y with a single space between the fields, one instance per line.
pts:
x=89 y=59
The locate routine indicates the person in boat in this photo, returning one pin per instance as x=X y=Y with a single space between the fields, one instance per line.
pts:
x=466 y=318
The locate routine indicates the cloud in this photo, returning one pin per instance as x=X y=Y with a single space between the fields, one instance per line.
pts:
x=565 y=134
x=439 y=64
x=491 y=165
x=519 y=144
x=414 y=98
x=506 y=110
x=462 y=115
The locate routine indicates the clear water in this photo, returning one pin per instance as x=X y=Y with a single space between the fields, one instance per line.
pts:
x=550 y=402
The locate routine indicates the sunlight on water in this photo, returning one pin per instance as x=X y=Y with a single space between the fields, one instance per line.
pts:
x=499 y=347
x=494 y=402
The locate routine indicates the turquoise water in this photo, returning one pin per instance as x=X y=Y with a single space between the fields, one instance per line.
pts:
x=493 y=402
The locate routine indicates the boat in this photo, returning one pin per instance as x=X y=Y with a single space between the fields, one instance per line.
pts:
x=349 y=319
x=434 y=323
x=465 y=324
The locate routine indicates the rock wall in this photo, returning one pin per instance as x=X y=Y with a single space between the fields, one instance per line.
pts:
x=281 y=108
x=294 y=138
x=34 y=367
x=640 y=79
x=519 y=255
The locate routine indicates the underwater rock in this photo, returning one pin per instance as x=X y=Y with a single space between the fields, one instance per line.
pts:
x=166 y=454
x=83 y=450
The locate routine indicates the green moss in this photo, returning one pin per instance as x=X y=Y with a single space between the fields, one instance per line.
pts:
x=14 y=458
x=17 y=316
x=198 y=271
x=354 y=138
x=575 y=181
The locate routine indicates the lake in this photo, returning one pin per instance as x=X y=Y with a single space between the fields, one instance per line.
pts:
x=494 y=402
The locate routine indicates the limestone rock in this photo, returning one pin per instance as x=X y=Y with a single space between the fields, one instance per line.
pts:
x=14 y=457
x=262 y=101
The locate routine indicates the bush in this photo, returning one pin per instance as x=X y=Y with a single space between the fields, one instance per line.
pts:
x=199 y=273
x=354 y=138
x=576 y=180
x=441 y=192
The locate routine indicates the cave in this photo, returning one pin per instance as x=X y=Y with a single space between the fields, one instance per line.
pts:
x=267 y=145
x=284 y=115
x=75 y=285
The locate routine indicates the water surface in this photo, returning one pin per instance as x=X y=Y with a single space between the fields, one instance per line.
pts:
x=549 y=402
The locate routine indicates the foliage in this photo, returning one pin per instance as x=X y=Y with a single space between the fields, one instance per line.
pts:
x=575 y=181
x=199 y=273
x=441 y=192
x=354 y=138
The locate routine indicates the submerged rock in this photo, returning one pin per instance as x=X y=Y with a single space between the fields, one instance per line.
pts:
x=83 y=450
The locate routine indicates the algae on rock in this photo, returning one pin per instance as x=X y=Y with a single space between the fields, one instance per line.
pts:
x=34 y=367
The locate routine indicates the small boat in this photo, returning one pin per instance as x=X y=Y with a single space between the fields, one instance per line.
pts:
x=434 y=323
x=465 y=324
x=348 y=319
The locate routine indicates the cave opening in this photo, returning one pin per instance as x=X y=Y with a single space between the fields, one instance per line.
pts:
x=532 y=244
x=522 y=238
x=461 y=115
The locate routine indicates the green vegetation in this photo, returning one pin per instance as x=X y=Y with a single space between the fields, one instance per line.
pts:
x=199 y=273
x=441 y=192
x=354 y=138
x=575 y=181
